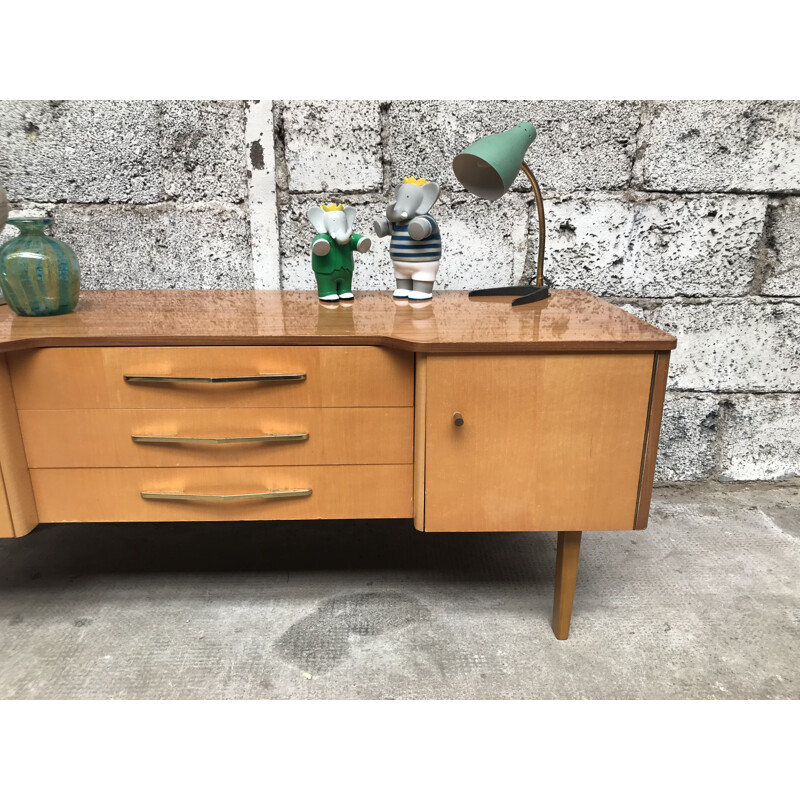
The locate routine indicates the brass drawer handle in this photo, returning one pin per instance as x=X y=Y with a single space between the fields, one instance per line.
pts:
x=458 y=419
x=272 y=495
x=267 y=437
x=265 y=378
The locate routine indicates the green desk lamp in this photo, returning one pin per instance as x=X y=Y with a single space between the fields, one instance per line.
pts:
x=487 y=168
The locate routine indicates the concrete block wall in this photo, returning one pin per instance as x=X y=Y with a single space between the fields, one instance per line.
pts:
x=685 y=213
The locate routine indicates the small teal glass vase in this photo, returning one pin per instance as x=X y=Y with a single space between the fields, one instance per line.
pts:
x=39 y=275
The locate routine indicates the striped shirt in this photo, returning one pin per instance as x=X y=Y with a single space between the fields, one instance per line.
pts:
x=404 y=248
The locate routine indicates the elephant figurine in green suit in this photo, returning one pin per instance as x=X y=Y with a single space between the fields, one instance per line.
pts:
x=332 y=250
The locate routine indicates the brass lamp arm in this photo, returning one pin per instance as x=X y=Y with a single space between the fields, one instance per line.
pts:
x=540 y=211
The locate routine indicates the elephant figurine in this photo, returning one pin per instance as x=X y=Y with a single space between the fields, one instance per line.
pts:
x=332 y=250
x=416 y=245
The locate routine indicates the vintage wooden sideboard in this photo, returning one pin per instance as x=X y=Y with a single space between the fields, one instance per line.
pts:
x=463 y=414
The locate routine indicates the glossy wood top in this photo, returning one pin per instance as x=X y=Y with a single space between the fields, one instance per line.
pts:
x=570 y=320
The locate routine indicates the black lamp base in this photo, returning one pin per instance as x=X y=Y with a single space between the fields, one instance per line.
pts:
x=527 y=294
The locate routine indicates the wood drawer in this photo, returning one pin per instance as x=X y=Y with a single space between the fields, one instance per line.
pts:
x=114 y=495
x=94 y=377
x=104 y=437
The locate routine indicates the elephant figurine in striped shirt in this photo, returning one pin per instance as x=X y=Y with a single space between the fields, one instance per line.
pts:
x=416 y=244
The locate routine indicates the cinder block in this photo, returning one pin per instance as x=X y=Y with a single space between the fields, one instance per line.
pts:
x=686 y=449
x=81 y=151
x=579 y=144
x=333 y=146
x=761 y=438
x=783 y=248
x=483 y=244
x=737 y=345
x=637 y=246
x=158 y=247
x=203 y=150
x=711 y=146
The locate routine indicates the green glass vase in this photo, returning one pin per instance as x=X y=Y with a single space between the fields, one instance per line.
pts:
x=39 y=275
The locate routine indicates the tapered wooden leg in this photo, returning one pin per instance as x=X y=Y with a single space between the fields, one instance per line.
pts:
x=569 y=548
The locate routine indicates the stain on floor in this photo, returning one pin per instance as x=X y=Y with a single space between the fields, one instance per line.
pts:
x=321 y=640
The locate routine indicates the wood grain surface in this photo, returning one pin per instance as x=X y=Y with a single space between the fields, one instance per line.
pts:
x=548 y=442
x=18 y=515
x=114 y=495
x=654 y=415
x=93 y=377
x=561 y=404
x=103 y=437
x=568 y=550
x=420 y=406
x=570 y=320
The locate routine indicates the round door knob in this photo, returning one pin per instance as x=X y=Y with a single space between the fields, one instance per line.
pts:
x=458 y=419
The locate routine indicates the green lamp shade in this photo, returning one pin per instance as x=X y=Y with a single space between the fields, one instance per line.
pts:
x=488 y=167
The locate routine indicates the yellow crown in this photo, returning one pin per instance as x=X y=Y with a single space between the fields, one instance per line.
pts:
x=417 y=181
x=333 y=207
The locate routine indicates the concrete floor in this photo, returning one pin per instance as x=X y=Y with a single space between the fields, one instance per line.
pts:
x=704 y=604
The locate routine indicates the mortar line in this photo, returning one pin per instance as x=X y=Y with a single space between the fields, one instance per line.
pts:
x=738 y=392
x=384 y=108
x=262 y=195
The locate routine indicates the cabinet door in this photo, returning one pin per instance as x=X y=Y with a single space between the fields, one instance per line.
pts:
x=548 y=441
